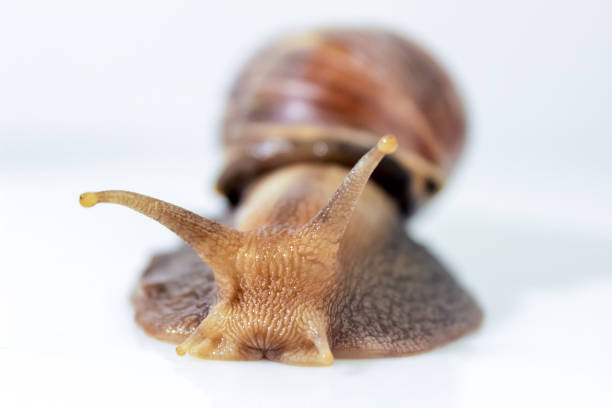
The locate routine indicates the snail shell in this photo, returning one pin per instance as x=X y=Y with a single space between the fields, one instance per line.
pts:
x=328 y=96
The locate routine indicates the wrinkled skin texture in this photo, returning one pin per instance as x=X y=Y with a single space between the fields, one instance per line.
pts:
x=375 y=293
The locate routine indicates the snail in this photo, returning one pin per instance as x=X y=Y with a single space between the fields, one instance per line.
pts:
x=313 y=261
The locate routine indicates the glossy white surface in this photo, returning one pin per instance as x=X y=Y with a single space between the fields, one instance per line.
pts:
x=120 y=95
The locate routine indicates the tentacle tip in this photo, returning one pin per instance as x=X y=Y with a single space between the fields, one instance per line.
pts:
x=387 y=144
x=88 y=199
x=181 y=350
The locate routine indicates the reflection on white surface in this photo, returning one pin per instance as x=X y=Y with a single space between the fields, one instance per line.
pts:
x=128 y=94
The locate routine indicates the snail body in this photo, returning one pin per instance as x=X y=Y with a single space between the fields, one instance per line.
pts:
x=313 y=261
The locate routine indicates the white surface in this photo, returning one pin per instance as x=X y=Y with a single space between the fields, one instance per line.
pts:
x=120 y=94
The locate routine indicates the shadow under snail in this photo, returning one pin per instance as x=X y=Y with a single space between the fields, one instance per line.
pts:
x=313 y=261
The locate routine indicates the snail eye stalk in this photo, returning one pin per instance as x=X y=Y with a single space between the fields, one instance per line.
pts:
x=213 y=242
x=331 y=221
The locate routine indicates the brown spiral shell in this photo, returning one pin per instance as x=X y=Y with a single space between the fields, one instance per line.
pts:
x=327 y=96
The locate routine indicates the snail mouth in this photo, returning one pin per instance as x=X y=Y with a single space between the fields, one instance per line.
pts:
x=271 y=353
x=263 y=342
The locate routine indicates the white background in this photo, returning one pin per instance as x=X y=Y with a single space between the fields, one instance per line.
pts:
x=128 y=94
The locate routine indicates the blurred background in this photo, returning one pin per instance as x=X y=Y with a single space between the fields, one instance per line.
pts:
x=129 y=94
